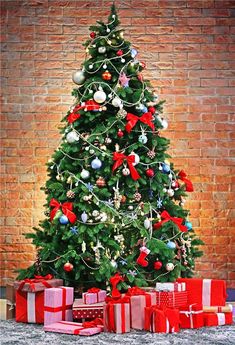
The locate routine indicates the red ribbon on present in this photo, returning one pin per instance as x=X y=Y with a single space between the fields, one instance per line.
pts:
x=62 y=308
x=95 y=323
x=110 y=317
x=37 y=279
x=93 y=290
x=188 y=184
x=133 y=119
x=166 y=217
x=135 y=291
x=66 y=209
x=119 y=159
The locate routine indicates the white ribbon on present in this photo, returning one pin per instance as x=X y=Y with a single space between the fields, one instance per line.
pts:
x=206 y=292
x=31 y=300
x=167 y=326
x=221 y=319
x=189 y=313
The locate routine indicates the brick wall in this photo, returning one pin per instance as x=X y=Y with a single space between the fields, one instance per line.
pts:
x=190 y=54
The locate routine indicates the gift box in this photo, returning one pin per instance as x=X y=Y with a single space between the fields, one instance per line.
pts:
x=58 y=303
x=218 y=319
x=30 y=298
x=83 y=311
x=170 y=286
x=7 y=305
x=208 y=292
x=173 y=299
x=228 y=308
x=94 y=295
x=117 y=316
x=192 y=317
x=161 y=320
x=71 y=328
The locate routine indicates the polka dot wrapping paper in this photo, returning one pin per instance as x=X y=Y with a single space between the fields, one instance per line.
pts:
x=87 y=311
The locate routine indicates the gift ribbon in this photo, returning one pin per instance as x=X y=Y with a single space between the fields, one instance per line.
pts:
x=62 y=308
x=95 y=323
x=133 y=119
x=166 y=218
x=221 y=319
x=189 y=313
x=135 y=291
x=188 y=184
x=37 y=279
x=31 y=308
x=66 y=209
x=206 y=292
x=119 y=159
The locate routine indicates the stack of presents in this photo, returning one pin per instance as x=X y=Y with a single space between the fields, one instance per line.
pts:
x=167 y=308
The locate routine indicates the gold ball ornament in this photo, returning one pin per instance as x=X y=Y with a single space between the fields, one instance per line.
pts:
x=106 y=75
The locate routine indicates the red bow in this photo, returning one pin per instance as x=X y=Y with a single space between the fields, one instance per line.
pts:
x=188 y=184
x=114 y=280
x=166 y=217
x=95 y=323
x=93 y=290
x=37 y=279
x=88 y=105
x=66 y=209
x=73 y=117
x=119 y=158
x=133 y=119
x=134 y=291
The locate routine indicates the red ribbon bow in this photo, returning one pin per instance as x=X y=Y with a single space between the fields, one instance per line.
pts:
x=114 y=280
x=33 y=281
x=119 y=158
x=66 y=209
x=135 y=291
x=88 y=105
x=73 y=117
x=95 y=323
x=133 y=119
x=166 y=217
x=93 y=290
x=188 y=184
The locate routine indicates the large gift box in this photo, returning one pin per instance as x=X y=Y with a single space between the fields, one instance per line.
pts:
x=58 y=303
x=117 y=315
x=7 y=305
x=30 y=298
x=218 y=319
x=139 y=299
x=161 y=320
x=172 y=299
x=94 y=295
x=208 y=292
x=72 y=328
x=83 y=311
x=192 y=317
x=171 y=286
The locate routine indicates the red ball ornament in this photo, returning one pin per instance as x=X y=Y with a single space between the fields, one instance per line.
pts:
x=175 y=184
x=100 y=182
x=149 y=173
x=123 y=199
x=106 y=75
x=120 y=133
x=143 y=64
x=119 y=52
x=92 y=34
x=139 y=77
x=157 y=265
x=68 y=267
x=152 y=110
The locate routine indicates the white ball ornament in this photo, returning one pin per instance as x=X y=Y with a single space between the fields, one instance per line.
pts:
x=137 y=158
x=147 y=223
x=78 y=77
x=102 y=50
x=100 y=96
x=85 y=174
x=164 y=124
x=72 y=137
x=125 y=172
x=96 y=164
x=113 y=263
x=170 y=192
x=170 y=266
x=95 y=213
x=116 y=102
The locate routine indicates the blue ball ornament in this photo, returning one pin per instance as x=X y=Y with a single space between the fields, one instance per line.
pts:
x=189 y=225
x=143 y=139
x=166 y=168
x=133 y=53
x=96 y=163
x=171 y=245
x=63 y=220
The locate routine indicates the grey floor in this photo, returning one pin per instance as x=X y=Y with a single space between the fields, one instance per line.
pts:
x=20 y=333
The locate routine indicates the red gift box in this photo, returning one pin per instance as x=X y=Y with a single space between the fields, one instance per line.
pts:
x=87 y=311
x=208 y=292
x=160 y=320
x=193 y=317
x=117 y=315
x=218 y=319
x=172 y=299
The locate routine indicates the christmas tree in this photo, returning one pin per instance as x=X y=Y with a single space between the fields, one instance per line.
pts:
x=114 y=202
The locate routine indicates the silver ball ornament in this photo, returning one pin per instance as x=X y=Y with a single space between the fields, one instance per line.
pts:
x=116 y=102
x=170 y=192
x=85 y=174
x=78 y=77
x=99 y=96
x=72 y=137
x=102 y=50
x=96 y=163
x=142 y=139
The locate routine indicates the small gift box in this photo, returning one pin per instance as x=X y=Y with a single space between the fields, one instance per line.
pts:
x=228 y=308
x=117 y=315
x=30 y=297
x=94 y=295
x=170 y=287
x=173 y=299
x=193 y=317
x=218 y=319
x=208 y=292
x=7 y=305
x=139 y=299
x=83 y=311
x=58 y=303
x=72 y=328
x=160 y=320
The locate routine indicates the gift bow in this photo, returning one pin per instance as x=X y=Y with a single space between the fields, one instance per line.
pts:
x=119 y=158
x=66 y=209
x=133 y=119
x=188 y=184
x=114 y=280
x=166 y=217
x=135 y=291
x=95 y=323
x=88 y=105
x=93 y=290
x=73 y=117
x=36 y=279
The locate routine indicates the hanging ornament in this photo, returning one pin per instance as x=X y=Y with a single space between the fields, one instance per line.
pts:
x=72 y=137
x=171 y=245
x=170 y=266
x=96 y=163
x=95 y=213
x=121 y=114
x=147 y=223
x=102 y=50
x=92 y=35
x=78 y=77
x=100 y=182
x=116 y=102
x=119 y=52
x=74 y=230
x=68 y=267
x=189 y=225
x=130 y=207
x=70 y=194
x=142 y=139
x=151 y=154
x=152 y=110
x=133 y=53
x=100 y=96
x=149 y=173
x=123 y=60
x=108 y=140
x=164 y=124
x=137 y=158
x=170 y=192
x=85 y=174
x=63 y=220
x=175 y=185
x=120 y=133
x=84 y=217
x=141 y=260
x=157 y=265
x=113 y=263
x=165 y=168
x=106 y=75
x=103 y=217
x=125 y=172
x=123 y=199
x=137 y=196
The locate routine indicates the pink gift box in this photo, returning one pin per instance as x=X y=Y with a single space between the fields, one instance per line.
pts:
x=71 y=328
x=138 y=304
x=87 y=311
x=94 y=296
x=58 y=304
x=117 y=317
